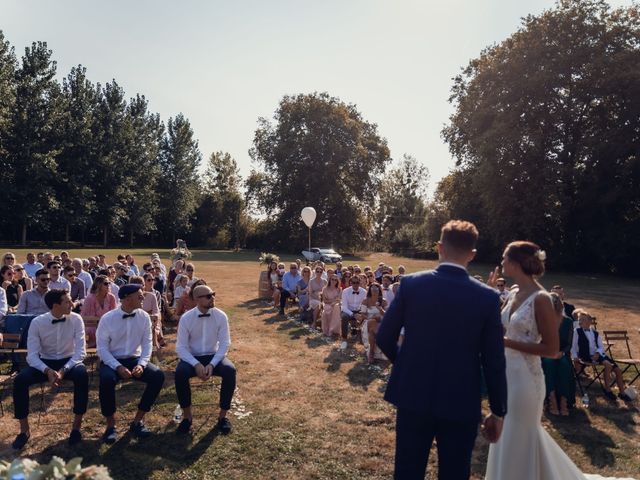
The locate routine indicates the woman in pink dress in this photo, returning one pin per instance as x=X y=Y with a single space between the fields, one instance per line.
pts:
x=331 y=295
x=99 y=301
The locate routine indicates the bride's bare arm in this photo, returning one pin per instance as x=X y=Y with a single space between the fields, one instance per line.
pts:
x=547 y=326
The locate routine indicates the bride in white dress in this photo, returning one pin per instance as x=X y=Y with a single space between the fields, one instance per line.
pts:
x=525 y=451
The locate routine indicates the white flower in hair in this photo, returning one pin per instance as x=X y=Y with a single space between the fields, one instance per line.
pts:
x=542 y=255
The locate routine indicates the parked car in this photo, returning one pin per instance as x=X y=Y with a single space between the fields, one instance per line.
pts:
x=326 y=255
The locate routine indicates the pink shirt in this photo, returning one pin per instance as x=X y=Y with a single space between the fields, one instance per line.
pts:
x=150 y=303
x=91 y=307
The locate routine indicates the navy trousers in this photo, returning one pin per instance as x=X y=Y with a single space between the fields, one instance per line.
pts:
x=29 y=376
x=414 y=436
x=224 y=369
x=109 y=378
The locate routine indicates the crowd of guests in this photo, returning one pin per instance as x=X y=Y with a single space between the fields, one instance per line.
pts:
x=343 y=302
x=119 y=310
x=348 y=302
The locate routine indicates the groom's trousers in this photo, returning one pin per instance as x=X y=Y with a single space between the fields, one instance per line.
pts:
x=415 y=433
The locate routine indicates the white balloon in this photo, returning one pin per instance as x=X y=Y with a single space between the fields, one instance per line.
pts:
x=308 y=216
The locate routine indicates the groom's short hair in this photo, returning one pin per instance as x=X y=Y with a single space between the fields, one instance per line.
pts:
x=459 y=235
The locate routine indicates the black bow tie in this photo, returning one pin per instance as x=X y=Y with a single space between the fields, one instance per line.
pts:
x=204 y=315
x=58 y=320
x=128 y=315
x=356 y=293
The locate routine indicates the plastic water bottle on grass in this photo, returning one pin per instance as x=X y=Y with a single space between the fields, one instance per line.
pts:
x=177 y=414
x=585 y=400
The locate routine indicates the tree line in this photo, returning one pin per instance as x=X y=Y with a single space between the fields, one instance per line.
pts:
x=82 y=162
x=545 y=133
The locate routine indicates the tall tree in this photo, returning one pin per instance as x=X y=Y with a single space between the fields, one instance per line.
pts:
x=318 y=152
x=221 y=215
x=144 y=170
x=8 y=65
x=33 y=141
x=112 y=132
x=76 y=161
x=547 y=124
x=178 y=185
x=401 y=215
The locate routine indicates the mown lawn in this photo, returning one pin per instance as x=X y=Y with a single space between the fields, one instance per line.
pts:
x=306 y=410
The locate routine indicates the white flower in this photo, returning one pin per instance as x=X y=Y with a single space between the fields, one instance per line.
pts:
x=542 y=255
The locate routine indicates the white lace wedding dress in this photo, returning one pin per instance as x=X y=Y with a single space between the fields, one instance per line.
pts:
x=525 y=450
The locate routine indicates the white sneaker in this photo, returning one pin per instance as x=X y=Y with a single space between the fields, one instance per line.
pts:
x=343 y=345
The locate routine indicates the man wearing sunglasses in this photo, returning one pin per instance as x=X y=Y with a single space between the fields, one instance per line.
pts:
x=202 y=344
x=77 y=291
x=32 y=301
x=57 y=282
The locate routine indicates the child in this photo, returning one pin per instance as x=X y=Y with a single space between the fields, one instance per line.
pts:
x=181 y=287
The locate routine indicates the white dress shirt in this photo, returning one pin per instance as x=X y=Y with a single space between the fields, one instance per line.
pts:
x=388 y=295
x=593 y=347
x=114 y=290
x=61 y=283
x=87 y=279
x=202 y=335
x=50 y=341
x=351 y=301
x=3 y=303
x=32 y=268
x=118 y=338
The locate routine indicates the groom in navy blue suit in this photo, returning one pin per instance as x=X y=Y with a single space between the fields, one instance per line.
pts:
x=452 y=332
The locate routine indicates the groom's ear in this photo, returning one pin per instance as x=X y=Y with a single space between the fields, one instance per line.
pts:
x=472 y=255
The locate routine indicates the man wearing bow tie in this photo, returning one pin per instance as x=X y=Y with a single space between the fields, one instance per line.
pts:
x=124 y=344
x=352 y=299
x=202 y=344
x=55 y=350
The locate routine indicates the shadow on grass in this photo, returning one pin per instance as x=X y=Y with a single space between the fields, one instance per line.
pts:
x=578 y=430
x=254 y=304
x=621 y=417
x=130 y=458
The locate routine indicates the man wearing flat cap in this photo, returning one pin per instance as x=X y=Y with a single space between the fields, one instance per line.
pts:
x=124 y=345
x=202 y=344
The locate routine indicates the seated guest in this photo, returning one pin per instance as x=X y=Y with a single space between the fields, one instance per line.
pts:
x=176 y=270
x=387 y=291
x=32 y=302
x=110 y=273
x=558 y=374
x=274 y=282
x=55 y=351
x=22 y=278
x=132 y=265
x=568 y=308
x=345 y=281
x=401 y=271
x=58 y=282
x=316 y=285
x=202 y=344
x=351 y=317
x=64 y=256
x=331 y=295
x=93 y=267
x=31 y=266
x=155 y=258
x=99 y=301
x=289 y=285
x=501 y=287
x=86 y=268
x=77 y=292
x=379 y=272
x=587 y=347
x=101 y=261
x=186 y=302
x=11 y=287
x=181 y=287
x=121 y=274
x=160 y=283
x=124 y=346
x=189 y=271
x=46 y=258
x=302 y=292
x=373 y=306
x=4 y=308
x=150 y=305
x=338 y=271
x=9 y=259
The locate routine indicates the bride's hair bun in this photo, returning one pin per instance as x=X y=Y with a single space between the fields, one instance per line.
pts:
x=528 y=255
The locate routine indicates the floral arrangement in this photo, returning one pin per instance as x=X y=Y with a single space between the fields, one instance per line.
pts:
x=54 y=470
x=267 y=258
x=181 y=252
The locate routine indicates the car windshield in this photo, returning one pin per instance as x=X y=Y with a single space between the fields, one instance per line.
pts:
x=329 y=251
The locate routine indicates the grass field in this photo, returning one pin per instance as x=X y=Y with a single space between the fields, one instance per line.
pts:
x=306 y=410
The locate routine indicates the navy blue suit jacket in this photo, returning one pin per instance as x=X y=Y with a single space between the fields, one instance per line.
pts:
x=452 y=328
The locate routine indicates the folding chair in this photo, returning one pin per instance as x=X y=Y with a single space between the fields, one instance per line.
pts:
x=628 y=362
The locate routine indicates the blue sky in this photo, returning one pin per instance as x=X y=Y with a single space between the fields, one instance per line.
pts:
x=224 y=64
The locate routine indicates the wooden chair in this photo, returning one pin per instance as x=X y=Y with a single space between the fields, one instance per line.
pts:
x=627 y=361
